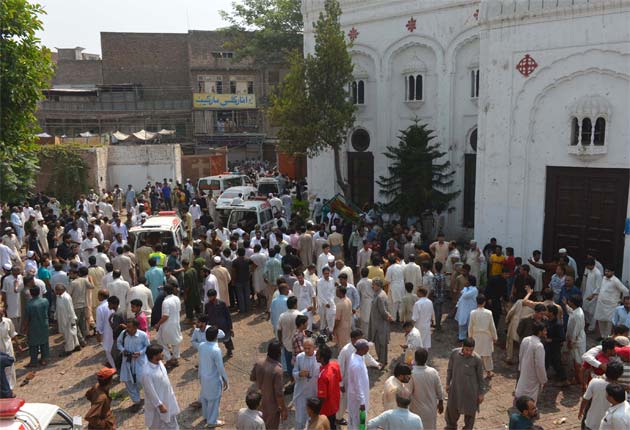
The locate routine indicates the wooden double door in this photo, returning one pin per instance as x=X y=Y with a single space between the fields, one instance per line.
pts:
x=361 y=177
x=585 y=211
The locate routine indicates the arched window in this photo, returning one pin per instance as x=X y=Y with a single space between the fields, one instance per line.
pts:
x=474 y=83
x=473 y=140
x=590 y=115
x=470 y=174
x=575 y=131
x=414 y=88
x=357 y=92
x=586 y=131
x=600 y=132
x=361 y=93
x=418 y=87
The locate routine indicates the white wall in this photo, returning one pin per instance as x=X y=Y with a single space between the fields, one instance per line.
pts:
x=524 y=122
x=139 y=164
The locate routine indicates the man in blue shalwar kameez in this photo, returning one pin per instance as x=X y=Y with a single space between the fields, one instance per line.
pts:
x=133 y=343
x=213 y=377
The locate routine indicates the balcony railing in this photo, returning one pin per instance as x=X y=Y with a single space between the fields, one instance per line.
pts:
x=105 y=106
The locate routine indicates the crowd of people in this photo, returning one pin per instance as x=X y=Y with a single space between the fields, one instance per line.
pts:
x=73 y=268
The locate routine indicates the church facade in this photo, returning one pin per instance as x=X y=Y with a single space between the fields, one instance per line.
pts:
x=530 y=99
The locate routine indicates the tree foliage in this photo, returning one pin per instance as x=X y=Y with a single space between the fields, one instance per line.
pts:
x=417 y=180
x=25 y=70
x=265 y=30
x=312 y=107
x=292 y=110
x=67 y=171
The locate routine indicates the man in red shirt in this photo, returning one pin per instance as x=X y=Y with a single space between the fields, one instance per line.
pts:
x=328 y=384
x=510 y=264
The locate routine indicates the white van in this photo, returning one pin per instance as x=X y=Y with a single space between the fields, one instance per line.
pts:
x=226 y=198
x=165 y=228
x=219 y=183
x=250 y=213
x=15 y=414
x=267 y=186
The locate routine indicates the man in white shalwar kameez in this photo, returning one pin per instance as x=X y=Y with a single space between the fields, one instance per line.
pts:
x=423 y=315
x=358 y=387
x=326 y=300
x=210 y=282
x=306 y=296
x=608 y=296
x=344 y=361
x=536 y=272
x=160 y=408
x=591 y=281
x=413 y=341
x=367 y=295
x=323 y=257
x=531 y=364
x=412 y=272
x=475 y=259
x=395 y=276
x=66 y=319
x=258 y=279
x=169 y=330
x=481 y=328
x=7 y=334
x=305 y=372
x=213 y=377
x=576 y=337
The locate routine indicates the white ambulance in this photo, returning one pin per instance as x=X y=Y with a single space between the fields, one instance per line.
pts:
x=165 y=228
x=215 y=185
x=253 y=212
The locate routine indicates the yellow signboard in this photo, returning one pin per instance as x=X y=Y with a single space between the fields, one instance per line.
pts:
x=224 y=101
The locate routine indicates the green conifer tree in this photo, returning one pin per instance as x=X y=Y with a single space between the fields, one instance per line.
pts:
x=418 y=181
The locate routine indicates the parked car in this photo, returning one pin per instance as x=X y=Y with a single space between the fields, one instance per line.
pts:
x=16 y=414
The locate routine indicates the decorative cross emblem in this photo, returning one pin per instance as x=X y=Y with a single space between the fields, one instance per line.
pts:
x=527 y=65
x=476 y=14
x=411 y=25
x=353 y=34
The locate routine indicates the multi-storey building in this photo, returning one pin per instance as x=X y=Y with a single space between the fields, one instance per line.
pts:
x=191 y=83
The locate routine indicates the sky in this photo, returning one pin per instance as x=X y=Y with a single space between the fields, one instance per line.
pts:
x=70 y=23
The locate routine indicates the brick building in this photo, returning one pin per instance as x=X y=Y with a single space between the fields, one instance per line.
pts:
x=188 y=82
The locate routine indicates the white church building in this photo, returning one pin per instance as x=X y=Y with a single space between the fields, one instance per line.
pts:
x=529 y=98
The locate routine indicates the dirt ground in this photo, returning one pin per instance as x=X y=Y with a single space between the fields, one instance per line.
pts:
x=65 y=380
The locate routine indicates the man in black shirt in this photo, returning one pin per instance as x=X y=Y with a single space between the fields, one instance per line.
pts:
x=495 y=292
x=553 y=344
x=520 y=281
x=290 y=259
x=218 y=315
x=240 y=278
x=64 y=250
x=526 y=325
